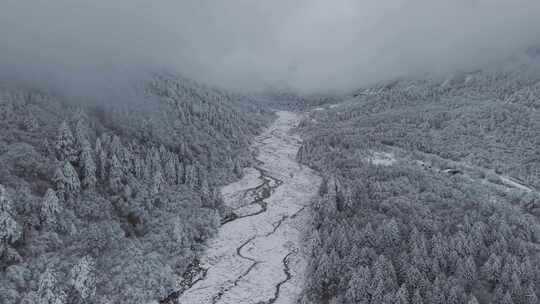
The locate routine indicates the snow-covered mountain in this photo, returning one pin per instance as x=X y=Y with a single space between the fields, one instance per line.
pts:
x=110 y=202
x=432 y=190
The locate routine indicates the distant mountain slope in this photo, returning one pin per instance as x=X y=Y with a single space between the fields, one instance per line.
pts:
x=487 y=118
x=296 y=101
x=111 y=203
x=431 y=192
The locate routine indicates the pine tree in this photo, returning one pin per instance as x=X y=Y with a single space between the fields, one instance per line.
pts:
x=30 y=122
x=377 y=293
x=383 y=270
x=415 y=279
x=179 y=172
x=88 y=166
x=358 y=287
x=189 y=175
x=467 y=272
x=65 y=144
x=472 y=300
x=324 y=273
x=115 y=175
x=498 y=294
x=391 y=236
x=477 y=236
x=437 y=292
x=370 y=239
x=116 y=146
x=67 y=182
x=237 y=170
x=507 y=299
x=83 y=278
x=439 y=250
x=102 y=160
x=402 y=295
x=30 y=298
x=491 y=270
x=155 y=160
x=10 y=230
x=49 y=291
x=417 y=297
x=81 y=130
x=515 y=286
x=158 y=183
x=170 y=168
x=530 y=296
x=456 y=295
x=50 y=209
x=526 y=272
x=45 y=148
x=138 y=167
x=323 y=187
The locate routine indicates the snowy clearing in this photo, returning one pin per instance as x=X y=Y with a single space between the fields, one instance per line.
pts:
x=382 y=158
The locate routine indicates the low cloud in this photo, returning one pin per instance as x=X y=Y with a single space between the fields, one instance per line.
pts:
x=311 y=45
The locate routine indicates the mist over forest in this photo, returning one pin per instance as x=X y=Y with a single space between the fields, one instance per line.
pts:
x=249 y=45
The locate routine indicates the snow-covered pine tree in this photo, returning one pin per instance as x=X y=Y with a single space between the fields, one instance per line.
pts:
x=507 y=299
x=10 y=230
x=391 y=236
x=402 y=295
x=170 y=168
x=49 y=291
x=158 y=182
x=81 y=130
x=417 y=297
x=65 y=146
x=67 y=183
x=102 y=159
x=237 y=170
x=83 y=279
x=116 y=145
x=30 y=122
x=359 y=286
x=466 y=271
x=115 y=175
x=472 y=300
x=50 y=209
x=179 y=171
x=88 y=166
x=530 y=296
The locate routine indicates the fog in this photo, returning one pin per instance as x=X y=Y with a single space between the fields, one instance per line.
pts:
x=309 y=45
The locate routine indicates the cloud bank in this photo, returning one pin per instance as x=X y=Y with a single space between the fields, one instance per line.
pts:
x=311 y=45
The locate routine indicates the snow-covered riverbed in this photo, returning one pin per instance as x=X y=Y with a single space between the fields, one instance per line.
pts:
x=257 y=257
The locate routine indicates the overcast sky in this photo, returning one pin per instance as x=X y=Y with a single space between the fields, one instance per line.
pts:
x=248 y=44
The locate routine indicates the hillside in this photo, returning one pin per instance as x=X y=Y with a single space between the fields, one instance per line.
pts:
x=110 y=202
x=431 y=192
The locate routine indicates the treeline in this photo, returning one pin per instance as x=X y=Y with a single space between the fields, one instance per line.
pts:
x=111 y=203
x=400 y=233
x=282 y=99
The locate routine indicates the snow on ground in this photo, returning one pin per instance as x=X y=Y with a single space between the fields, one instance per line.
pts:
x=382 y=158
x=233 y=192
x=472 y=172
x=512 y=183
x=257 y=258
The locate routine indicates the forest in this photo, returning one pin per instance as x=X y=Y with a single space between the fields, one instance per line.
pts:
x=111 y=202
x=436 y=221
